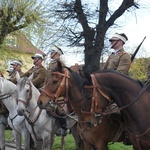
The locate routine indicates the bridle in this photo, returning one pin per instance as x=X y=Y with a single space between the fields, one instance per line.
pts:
x=96 y=90
x=63 y=84
x=4 y=96
x=26 y=103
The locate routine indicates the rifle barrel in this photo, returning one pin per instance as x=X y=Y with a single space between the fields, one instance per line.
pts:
x=137 y=49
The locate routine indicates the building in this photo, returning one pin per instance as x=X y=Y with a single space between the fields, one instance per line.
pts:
x=17 y=46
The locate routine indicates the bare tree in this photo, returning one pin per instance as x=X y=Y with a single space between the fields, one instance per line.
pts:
x=81 y=30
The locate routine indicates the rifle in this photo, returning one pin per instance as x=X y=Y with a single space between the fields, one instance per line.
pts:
x=137 y=49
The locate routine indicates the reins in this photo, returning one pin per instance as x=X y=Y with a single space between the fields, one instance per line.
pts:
x=96 y=88
x=55 y=96
x=4 y=96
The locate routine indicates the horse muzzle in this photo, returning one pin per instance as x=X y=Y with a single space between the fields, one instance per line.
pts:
x=20 y=112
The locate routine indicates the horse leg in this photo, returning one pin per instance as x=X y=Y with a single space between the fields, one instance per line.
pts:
x=26 y=139
x=18 y=139
x=102 y=145
x=77 y=138
x=87 y=146
x=63 y=141
x=52 y=135
x=47 y=142
x=38 y=144
x=2 y=136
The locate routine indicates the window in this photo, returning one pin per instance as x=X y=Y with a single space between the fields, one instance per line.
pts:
x=11 y=40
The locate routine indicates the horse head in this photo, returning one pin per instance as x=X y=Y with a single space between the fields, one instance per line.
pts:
x=53 y=94
x=66 y=85
x=24 y=91
x=93 y=95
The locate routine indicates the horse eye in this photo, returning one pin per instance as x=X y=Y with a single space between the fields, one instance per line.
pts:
x=54 y=82
x=27 y=90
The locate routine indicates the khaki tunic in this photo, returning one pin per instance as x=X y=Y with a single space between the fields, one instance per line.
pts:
x=39 y=76
x=51 y=67
x=120 y=62
x=13 y=74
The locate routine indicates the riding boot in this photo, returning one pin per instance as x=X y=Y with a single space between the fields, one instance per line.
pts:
x=63 y=124
x=63 y=132
x=127 y=140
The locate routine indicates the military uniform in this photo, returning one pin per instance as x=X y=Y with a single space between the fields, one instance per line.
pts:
x=39 y=76
x=121 y=61
x=13 y=74
x=52 y=66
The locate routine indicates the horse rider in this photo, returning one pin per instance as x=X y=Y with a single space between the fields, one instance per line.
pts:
x=38 y=70
x=119 y=60
x=16 y=64
x=9 y=70
x=39 y=75
x=55 y=55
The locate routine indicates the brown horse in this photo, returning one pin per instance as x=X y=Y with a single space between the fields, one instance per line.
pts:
x=66 y=83
x=132 y=100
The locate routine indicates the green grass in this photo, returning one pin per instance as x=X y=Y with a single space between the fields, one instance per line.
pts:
x=70 y=144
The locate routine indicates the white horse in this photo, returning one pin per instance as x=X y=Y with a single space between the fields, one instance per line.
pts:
x=16 y=122
x=41 y=126
x=3 y=124
x=39 y=123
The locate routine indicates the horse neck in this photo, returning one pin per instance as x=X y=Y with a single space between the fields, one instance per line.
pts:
x=118 y=88
x=33 y=101
x=76 y=100
x=11 y=104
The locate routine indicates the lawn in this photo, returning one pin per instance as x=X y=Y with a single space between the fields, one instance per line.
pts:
x=70 y=144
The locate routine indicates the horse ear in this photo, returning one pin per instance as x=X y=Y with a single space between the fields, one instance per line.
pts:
x=17 y=76
x=88 y=78
x=81 y=73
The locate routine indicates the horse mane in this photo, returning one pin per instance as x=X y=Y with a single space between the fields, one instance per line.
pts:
x=76 y=76
x=80 y=81
x=122 y=75
x=22 y=82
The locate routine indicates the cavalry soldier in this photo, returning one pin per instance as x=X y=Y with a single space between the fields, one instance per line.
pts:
x=9 y=70
x=119 y=60
x=39 y=72
x=55 y=55
x=16 y=64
